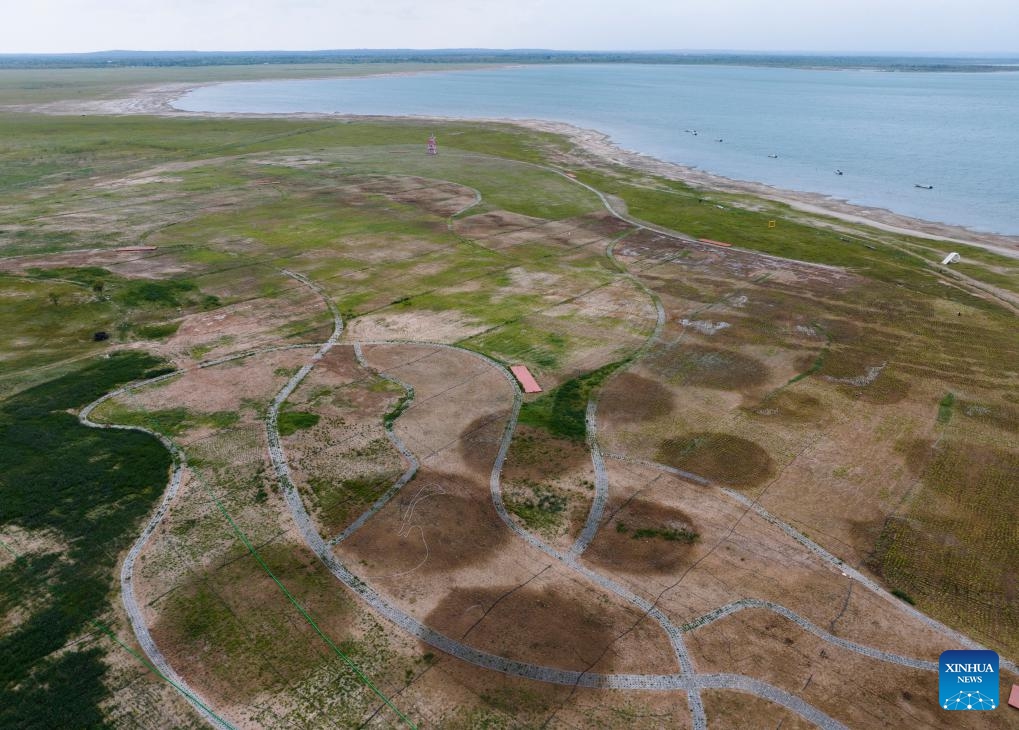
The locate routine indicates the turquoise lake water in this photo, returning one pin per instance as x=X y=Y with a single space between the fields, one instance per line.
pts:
x=887 y=131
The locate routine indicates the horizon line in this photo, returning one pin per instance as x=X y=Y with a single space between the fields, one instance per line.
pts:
x=998 y=54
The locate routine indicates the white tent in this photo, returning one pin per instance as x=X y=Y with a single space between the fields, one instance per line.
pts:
x=951 y=258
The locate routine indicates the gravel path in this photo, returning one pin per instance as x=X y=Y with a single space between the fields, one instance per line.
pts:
x=397 y=442
x=846 y=570
x=601 y=477
x=737 y=606
x=687 y=680
x=127 y=594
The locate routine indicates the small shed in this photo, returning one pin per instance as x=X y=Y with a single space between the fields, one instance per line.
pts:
x=1013 y=698
x=521 y=373
x=951 y=258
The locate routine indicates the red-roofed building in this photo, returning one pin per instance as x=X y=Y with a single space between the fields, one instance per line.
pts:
x=521 y=373
x=1013 y=699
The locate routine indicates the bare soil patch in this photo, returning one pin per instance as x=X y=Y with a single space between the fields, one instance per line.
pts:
x=543 y=625
x=633 y=398
x=852 y=688
x=740 y=711
x=621 y=544
x=228 y=387
x=720 y=457
x=439 y=523
x=447 y=326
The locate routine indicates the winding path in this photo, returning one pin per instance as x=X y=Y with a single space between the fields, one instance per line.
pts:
x=847 y=570
x=412 y=460
x=601 y=476
x=130 y=600
x=687 y=680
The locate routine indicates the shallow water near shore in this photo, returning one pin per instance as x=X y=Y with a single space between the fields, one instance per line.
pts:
x=789 y=128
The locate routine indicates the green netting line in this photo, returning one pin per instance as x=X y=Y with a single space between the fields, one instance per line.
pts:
x=106 y=630
x=346 y=660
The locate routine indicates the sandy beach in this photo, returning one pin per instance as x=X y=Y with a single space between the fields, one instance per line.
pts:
x=159 y=101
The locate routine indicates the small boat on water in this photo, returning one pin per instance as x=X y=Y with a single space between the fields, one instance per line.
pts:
x=923 y=187
x=839 y=172
x=774 y=157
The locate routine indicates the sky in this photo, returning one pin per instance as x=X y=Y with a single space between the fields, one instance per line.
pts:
x=941 y=26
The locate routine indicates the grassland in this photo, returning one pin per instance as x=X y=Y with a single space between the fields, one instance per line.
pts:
x=871 y=405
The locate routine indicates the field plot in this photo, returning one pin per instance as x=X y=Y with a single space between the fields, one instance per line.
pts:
x=826 y=409
x=275 y=454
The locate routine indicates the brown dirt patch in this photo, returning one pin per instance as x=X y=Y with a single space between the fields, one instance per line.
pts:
x=541 y=625
x=494 y=223
x=342 y=367
x=790 y=405
x=620 y=546
x=603 y=224
x=439 y=522
x=479 y=442
x=721 y=457
x=854 y=689
x=739 y=711
x=447 y=326
x=710 y=367
x=632 y=398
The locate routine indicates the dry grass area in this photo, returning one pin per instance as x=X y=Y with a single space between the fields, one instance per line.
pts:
x=345 y=461
x=821 y=398
x=879 y=422
x=441 y=530
x=745 y=712
x=858 y=691
x=736 y=555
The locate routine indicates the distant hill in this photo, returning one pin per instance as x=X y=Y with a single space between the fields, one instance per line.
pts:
x=486 y=55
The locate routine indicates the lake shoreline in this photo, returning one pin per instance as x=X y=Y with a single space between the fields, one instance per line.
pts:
x=159 y=101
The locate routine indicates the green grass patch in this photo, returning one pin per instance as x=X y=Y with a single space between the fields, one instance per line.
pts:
x=561 y=411
x=398 y=409
x=169 y=421
x=179 y=293
x=903 y=596
x=687 y=537
x=522 y=342
x=542 y=509
x=290 y=422
x=945 y=406
x=157 y=331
